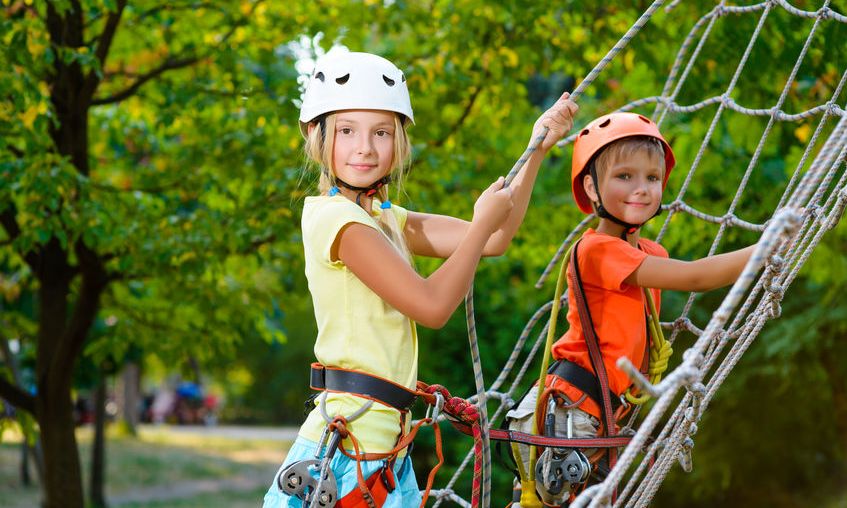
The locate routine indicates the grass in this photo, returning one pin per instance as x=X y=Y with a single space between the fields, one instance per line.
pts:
x=160 y=468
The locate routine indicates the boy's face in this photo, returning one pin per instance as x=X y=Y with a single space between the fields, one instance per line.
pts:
x=630 y=187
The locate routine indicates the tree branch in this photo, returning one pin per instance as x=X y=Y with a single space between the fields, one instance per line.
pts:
x=172 y=64
x=167 y=65
x=455 y=127
x=10 y=223
x=94 y=281
x=17 y=397
x=173 y=8
x=11 y=392
x=104 y=42
x=146 y=190
x=108 y=33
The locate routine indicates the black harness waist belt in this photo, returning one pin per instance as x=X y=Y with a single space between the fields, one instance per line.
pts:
x=334 y=379
x=582 y=379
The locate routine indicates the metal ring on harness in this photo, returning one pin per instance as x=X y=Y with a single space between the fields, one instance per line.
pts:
x=434 y=411
x=356 y=414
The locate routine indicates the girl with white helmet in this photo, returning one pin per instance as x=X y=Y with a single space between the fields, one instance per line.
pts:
x=367 y=296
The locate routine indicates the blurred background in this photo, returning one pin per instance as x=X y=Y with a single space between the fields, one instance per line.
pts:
x=151 y=271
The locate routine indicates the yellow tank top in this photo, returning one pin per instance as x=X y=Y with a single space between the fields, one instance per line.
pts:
x=356 y=328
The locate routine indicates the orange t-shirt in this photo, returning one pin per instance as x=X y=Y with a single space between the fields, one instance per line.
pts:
x=617 y=309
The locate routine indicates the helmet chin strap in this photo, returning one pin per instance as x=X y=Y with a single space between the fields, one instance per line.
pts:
x=629 y=228
x=368 y=191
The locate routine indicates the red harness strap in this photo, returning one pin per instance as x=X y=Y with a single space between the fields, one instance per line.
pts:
x=376 y=489
x=553 y=442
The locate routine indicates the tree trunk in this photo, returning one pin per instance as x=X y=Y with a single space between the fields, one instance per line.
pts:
x=60 y=337
x=63 y=479
x=26 y=481
x=54 y=407
x=129 y=396
x=98 y=450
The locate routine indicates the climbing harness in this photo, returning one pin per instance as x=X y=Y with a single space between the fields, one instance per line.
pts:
x=568 y=466
x=313 y=481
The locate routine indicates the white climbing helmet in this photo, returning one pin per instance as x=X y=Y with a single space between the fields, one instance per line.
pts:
x=354 y=81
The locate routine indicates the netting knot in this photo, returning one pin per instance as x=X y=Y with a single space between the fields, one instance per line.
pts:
x=775 y=263
x=777 y=291
x=680 y=323
x=697 y=390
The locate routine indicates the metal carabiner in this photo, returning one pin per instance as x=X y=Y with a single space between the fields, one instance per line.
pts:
x=434 y=411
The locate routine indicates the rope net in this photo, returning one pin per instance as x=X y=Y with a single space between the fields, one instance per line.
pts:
x=811 y=203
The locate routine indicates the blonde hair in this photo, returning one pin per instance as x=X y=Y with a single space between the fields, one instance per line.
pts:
x=319 y=147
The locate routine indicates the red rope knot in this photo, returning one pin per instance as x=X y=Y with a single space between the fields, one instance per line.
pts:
x=339 y=424
x=462 y=409
x=454 y=406
x=431 y=389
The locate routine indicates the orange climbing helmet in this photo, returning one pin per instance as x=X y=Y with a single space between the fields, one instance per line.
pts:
x=598 y=134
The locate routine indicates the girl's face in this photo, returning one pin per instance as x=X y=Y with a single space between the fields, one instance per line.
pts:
x=364 y=146
x=631 y=187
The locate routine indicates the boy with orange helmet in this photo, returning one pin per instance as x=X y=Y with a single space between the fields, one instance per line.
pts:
x=621 y=164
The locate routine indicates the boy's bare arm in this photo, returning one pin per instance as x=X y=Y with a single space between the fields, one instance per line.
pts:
x=701 y=275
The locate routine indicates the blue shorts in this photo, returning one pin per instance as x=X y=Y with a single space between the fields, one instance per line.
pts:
x=405 y=495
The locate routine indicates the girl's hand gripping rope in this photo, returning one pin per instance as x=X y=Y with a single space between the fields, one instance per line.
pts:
x=492 y=207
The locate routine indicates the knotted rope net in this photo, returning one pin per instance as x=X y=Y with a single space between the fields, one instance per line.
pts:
x=811 y=203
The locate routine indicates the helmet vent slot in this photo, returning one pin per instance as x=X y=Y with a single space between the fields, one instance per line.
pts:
x=644 y=119
x=320 y=76
x=388 y=81
x=343 y=79
x=605 y=123
x=584 y=133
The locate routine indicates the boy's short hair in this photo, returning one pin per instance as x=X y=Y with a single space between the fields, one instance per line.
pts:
x=625 y=147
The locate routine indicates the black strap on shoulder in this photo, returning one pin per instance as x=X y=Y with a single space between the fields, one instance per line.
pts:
x=582 y=379
x=363 y=384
